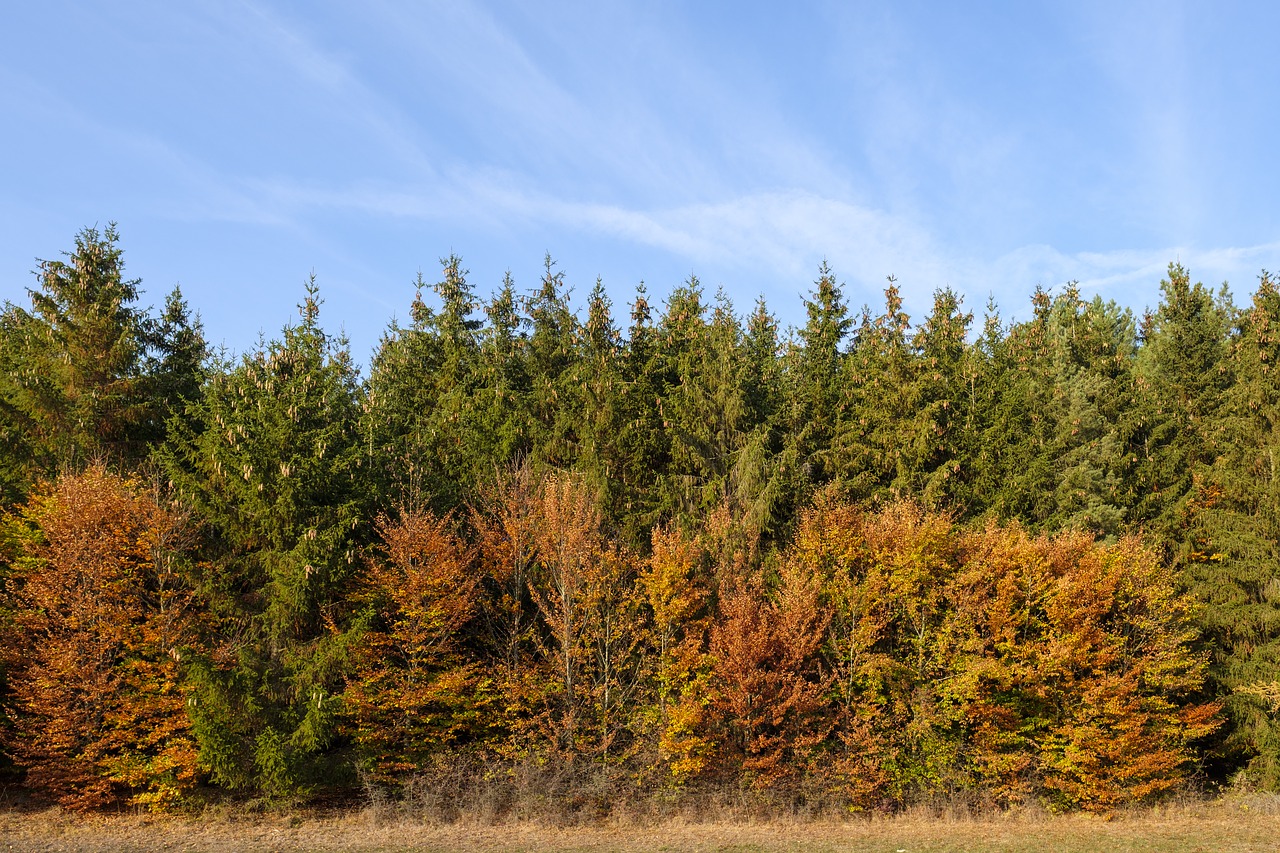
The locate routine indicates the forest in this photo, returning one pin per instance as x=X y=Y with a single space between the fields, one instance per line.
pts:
x=663 y=553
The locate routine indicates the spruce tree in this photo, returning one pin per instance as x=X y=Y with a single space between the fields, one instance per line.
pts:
x=1182 y=372
x=596 y=381
x=1094 y=348
x=552 y=348
x=272 y=462
x=643 y=444
x=1232 y=555
x=938 y=436
x=420 y=423
x=869 y=446
x=1011 y=470
x=816 y=365
x=502 y=426
x=705 y=410
x=87 y=374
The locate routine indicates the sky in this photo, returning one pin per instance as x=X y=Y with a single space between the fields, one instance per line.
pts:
x=986 y=147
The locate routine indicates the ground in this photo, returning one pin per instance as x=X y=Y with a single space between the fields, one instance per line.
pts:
x=1236 y=824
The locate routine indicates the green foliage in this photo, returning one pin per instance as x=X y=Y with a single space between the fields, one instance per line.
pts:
x=272 y=462
x=1230 y=555
x=697 y=550
x=86 y=374
x=420 y=419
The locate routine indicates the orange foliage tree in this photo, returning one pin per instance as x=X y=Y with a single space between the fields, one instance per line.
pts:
x=585 y=592
x=769 y=682
x=998 y=663
x=102 y=618
x=1117 y=664
x=415 y=690
x=505 y=523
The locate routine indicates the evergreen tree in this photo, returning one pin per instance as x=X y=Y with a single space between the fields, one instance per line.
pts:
x=1232 y=558
x=1094 y=350
x=596 y=380
x=552 y=347
x=1182 y=374
x=178 y=358
x=816 y=364
x=869 y=446
x=502 y=417
x=766 y=465
x=643 y=444
x=716 y=456
x=86 y=373
x=1011 y=467
x=421 y=423
x=272 y=463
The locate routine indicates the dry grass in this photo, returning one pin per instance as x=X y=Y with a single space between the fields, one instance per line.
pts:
x=1244 y=824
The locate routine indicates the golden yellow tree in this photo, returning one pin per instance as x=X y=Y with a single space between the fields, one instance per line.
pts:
x=1117 y=657
x=679 y=604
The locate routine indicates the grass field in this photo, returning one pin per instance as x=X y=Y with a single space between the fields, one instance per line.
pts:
x=1244 y=824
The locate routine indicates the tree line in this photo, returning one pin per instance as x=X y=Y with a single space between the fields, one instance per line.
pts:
x=866 y=561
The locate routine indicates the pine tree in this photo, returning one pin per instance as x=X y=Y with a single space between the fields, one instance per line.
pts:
x=869 y=448
x=178 y=360
x=643 y=444
x=717 y=452
x=1094 y=352
x=552 y=346
x=816 y=364
x=502 y=426
x=1011 y=466
x=1182 y=374
x=596 y=380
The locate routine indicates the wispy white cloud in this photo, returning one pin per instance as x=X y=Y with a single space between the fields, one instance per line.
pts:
x=782 y=236
x=1123 y=273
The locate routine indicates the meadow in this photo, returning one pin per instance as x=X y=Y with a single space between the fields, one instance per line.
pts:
x=1237 y=824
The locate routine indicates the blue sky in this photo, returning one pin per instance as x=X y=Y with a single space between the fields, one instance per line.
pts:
x=986 y=147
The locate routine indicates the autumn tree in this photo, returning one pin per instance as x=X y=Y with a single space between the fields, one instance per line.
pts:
x=584 y=589
x=414 y=691
x=993 y=662
x=769 y=685
x=104 y=621
x=674 y=585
